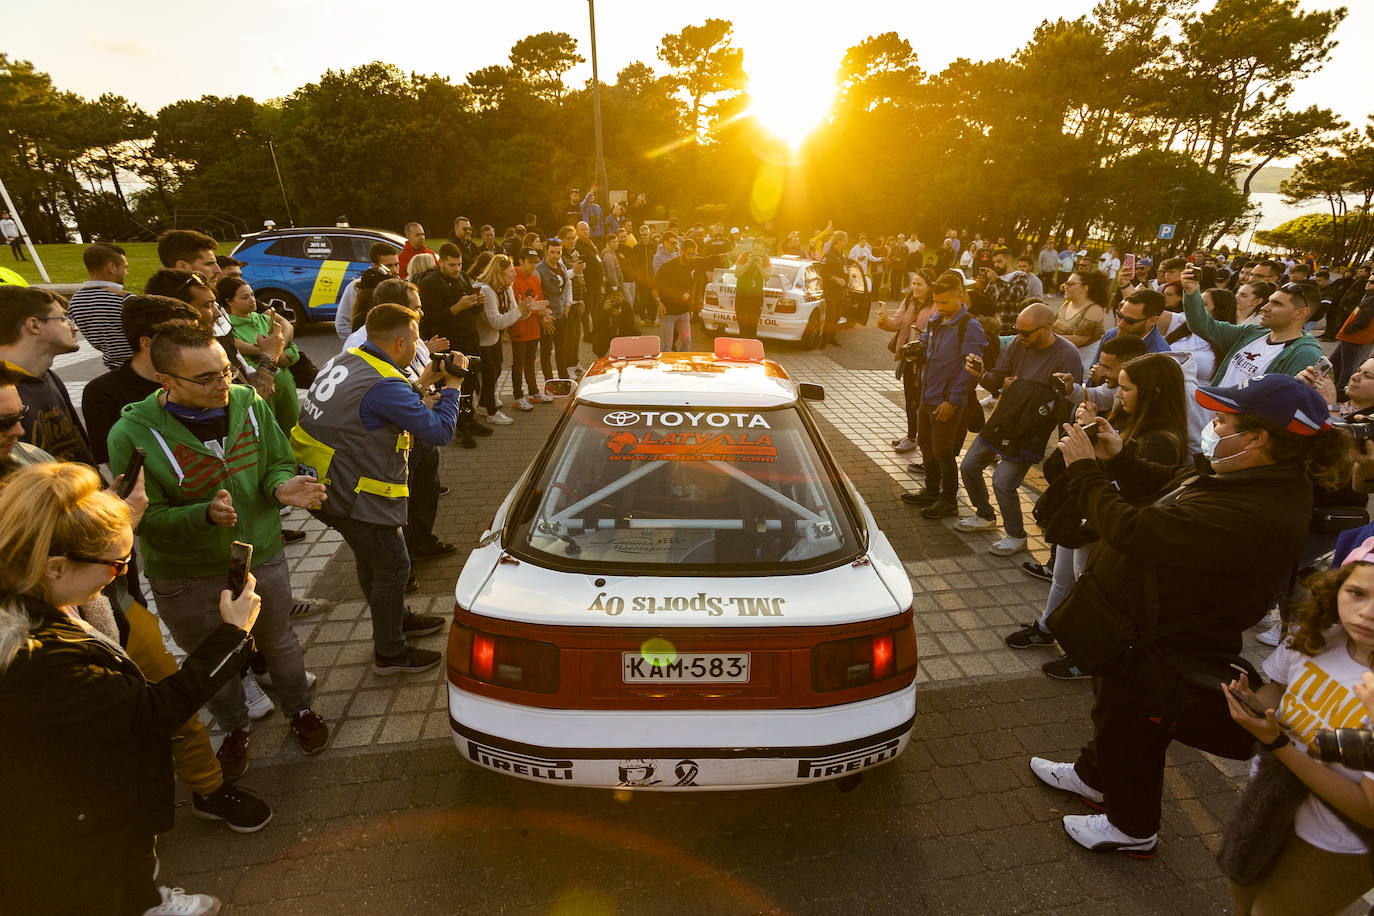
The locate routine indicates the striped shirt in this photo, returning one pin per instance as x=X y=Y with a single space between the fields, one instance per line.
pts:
x=96 y=307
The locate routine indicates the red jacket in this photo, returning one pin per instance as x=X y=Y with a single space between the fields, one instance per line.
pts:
x=407 y=253
x=526 y=329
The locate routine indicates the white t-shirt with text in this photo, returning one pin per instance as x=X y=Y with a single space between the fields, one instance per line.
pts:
x=1318 y=694
x=1251 y=360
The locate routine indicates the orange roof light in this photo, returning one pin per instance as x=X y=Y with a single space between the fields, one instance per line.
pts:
x=645 y=347
x=739 y=348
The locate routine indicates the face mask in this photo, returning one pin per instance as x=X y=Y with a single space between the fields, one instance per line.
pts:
x=1209 y=446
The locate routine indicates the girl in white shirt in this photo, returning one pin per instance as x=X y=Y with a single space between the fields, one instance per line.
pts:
x=1324 y=866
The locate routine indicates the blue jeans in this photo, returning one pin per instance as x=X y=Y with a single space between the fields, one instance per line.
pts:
x=1006 y=481
x=379 y=553
x=682 y=325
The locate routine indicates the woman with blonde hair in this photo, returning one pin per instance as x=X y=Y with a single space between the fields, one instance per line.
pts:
x=499 y=311
x=88 y=760
x=420 y=265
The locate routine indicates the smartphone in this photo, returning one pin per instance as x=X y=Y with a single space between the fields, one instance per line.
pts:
x=1324 y=366
x=131 y=470
x=1128 y=264
x=240 y=558
x=1090 y=431
x=1250 y=705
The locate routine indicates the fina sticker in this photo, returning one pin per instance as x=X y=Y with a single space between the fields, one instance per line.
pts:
x=628 y=446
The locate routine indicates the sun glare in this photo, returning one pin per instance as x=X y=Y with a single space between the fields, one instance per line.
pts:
x=789 y=101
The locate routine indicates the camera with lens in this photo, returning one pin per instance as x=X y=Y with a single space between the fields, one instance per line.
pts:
x=1350 y=747
x=1362 y=430
x=446 y=363
x=913 y=350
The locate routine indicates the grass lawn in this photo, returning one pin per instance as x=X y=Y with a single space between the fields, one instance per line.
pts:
x=64 y=263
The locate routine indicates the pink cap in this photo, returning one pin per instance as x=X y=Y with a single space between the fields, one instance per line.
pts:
x=1364 y=553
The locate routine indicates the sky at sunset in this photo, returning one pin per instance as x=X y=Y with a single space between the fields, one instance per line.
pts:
x=267 y=49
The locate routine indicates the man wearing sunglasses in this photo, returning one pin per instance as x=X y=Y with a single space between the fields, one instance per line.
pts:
x=1016 y=433
x=14 y=452
x=34 y=330
x=218 y=470
x=1138 y=316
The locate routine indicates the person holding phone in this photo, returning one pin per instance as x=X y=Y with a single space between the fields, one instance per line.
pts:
x=525 y=332
x=500 y=311
x=219 y=469
x=1324 y=865
x=88 y=738
x=1208 y=587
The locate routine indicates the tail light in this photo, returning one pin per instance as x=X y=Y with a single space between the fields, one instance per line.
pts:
x=506 y=661
x=862 y=660
x=785 y=307
x=712 y=298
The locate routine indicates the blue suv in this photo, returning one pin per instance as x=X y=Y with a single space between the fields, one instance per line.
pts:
x=308 y=267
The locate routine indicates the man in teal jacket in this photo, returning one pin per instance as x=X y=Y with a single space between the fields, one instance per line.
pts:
x=1279 y=344
x=218 y=470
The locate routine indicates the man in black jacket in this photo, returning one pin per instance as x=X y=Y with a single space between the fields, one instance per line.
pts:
x=1208 y=584
x=451 y=306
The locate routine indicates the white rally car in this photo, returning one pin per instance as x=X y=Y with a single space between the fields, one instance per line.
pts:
x=683 y=591
x=793 y=302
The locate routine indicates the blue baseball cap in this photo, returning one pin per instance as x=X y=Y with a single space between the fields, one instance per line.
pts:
x=1281 y=399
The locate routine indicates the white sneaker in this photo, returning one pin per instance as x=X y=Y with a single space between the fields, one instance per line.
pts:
x=1272 y=636
x=1095 y=832
x=1065 y=778
x=576 y=373
x=904 y=445
x=523 y=404
x=259 y=704
x=176 y=902
x=975 y=523
x=540 y=399
x=499 y=419
x=265 y=679
x=1007 y=546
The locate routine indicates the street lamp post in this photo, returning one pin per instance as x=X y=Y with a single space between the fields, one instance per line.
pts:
x=604 y=197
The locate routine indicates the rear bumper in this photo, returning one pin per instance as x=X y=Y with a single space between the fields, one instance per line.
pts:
x=681 y=750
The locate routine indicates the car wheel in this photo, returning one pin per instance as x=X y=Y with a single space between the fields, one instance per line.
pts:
x=811 y=337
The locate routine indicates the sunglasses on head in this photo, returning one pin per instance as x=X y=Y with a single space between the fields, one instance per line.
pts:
x=194 y=279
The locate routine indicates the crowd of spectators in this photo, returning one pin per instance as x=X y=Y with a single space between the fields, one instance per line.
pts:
x=1173 y=402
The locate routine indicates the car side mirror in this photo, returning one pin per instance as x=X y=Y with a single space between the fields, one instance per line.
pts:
x=558 y=387
x=811 y=392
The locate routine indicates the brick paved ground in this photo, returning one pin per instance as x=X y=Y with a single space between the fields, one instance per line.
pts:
x=389 y=819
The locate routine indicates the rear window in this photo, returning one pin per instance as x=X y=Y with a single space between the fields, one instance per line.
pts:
x=706 y=490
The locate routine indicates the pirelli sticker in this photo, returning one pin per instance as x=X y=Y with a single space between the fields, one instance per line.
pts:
x=847 y=762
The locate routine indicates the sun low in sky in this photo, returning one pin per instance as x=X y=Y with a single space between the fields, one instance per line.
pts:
x=787 y=100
